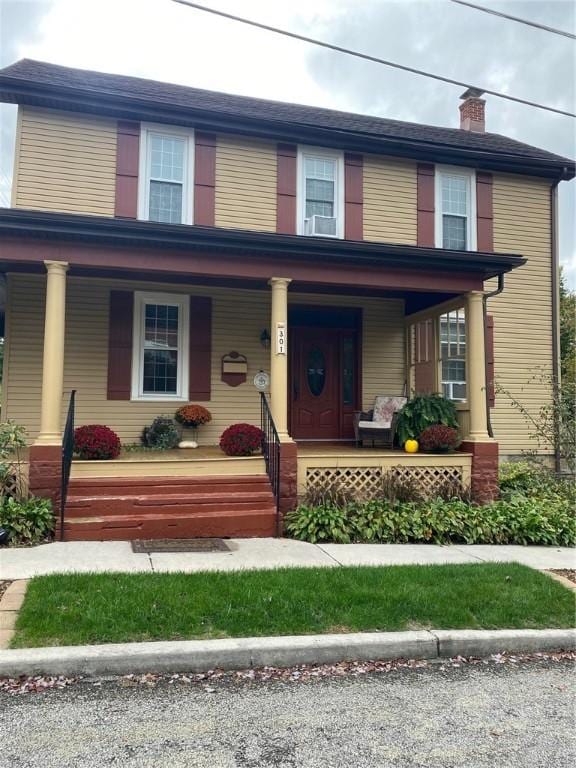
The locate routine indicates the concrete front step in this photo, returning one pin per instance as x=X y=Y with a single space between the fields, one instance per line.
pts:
x=100 y=509
x=248 y=524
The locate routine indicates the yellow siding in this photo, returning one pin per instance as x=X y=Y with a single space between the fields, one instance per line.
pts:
x=65 y=162
x=389 y=200
x=245 y=184
x=523 y=313
x=238 y=319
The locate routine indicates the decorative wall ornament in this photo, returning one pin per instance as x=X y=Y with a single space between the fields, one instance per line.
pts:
x=234 y=369
x=262 y=381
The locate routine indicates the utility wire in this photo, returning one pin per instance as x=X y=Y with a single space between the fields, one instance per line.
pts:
x=516 y=18
x=367 y=57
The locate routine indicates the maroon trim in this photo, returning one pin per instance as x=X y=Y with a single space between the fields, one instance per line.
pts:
x=484 y=212
x=200 y=375
x=286 y=189
x=219 y=264
x=490 y=367
x=204 y=178
x=425 y=202
x=127 y=159
x=353 y=196
x=121 y=321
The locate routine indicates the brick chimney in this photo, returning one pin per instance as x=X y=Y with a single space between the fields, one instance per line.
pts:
x=472 y=111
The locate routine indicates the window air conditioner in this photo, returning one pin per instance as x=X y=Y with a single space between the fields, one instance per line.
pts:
x=320 y=225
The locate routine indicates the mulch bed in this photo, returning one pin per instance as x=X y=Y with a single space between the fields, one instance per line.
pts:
x=3 y=587
x=568 y=573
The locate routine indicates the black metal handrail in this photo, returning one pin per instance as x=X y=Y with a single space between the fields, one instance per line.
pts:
x=67 y=452
x=271 y=451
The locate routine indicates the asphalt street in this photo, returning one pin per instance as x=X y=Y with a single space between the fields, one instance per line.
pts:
x=497 y=715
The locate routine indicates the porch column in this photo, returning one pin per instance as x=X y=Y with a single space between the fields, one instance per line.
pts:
x=279 y=355
x=476 y=373
x=53 y=363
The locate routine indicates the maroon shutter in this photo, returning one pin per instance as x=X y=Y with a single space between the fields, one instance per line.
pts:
x=484 y=215
x=204 y=178
x=127 y=159
x=121 y=321
x=286 y=189
x=425 y=203
x=490 y=361
x=200 y=348
x=425 y=359
x=353 y=196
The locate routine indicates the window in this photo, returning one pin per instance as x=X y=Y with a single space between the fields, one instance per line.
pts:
x=453 y=355
x=455 y=209
x=160 y=347
x=166 y=175
x=321 y=202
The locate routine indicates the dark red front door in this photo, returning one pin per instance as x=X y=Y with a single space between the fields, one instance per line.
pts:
x=315 y=412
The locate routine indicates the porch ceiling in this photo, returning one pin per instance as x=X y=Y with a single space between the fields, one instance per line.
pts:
x=93 y=242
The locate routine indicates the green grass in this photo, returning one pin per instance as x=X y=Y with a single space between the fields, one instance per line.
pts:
x=111 y=608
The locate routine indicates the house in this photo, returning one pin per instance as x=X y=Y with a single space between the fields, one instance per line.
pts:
x=346 y=256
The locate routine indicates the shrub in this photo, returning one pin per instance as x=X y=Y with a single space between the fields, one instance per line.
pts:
x=27 y=522
x=241 y=440
x=161 y=435
x=95 y=441
x=422 y=411
x=193 y=415
x=439 y=439
x=322 y=523
x=12 y=441
x=395 y=487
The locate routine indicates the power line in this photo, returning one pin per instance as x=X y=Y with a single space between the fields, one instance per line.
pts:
x=516 y=18
x=367 y=57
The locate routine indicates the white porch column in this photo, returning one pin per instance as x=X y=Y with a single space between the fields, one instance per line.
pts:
x=279 y=355
x=53 y=363
x=476 y=367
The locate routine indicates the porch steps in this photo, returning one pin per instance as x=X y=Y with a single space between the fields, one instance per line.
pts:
x=123 y=509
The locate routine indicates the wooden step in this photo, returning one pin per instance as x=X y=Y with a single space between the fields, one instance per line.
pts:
x=108 y=486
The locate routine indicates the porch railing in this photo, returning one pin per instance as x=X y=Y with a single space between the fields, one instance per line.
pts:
x=67 y=452
x=271 y=451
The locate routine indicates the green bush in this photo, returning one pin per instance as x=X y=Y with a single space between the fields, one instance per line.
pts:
x=161 y=435
x=423 y=411
x=536 y=508
x=27 y=522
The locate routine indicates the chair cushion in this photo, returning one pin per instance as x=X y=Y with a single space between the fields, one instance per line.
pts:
x=372 y=425
x=385 y=407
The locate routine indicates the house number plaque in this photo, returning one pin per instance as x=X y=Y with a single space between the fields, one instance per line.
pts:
x=280 y=339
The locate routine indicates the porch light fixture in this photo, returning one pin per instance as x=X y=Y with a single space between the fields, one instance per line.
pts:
x=265 y=338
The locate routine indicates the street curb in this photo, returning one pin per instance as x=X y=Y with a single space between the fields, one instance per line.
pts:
x=244 y=653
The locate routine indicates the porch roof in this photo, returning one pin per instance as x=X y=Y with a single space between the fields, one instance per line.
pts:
x=97 y=230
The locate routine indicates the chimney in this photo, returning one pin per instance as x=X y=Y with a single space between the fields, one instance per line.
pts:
x=472 y=111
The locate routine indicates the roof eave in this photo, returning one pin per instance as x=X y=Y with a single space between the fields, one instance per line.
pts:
x=16 y=90
x=130 y=233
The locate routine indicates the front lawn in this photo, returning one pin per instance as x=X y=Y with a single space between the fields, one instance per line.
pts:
x=78 y=609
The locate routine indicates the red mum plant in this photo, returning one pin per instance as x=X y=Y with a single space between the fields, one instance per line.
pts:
x=193 y=415
x=439 y=439
x=95 y=441
x=241 y=440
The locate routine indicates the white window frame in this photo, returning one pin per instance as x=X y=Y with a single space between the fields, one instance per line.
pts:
x=449 y=383
x=182 y=301
x=304 y=152
x=471 y=229
x=144 y=169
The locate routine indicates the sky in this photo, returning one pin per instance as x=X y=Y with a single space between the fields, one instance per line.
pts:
x=162 y=40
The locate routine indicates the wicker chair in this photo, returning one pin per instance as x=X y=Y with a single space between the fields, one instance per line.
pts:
x=379 y=424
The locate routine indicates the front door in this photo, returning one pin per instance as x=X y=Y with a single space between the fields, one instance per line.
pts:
x=315 y=375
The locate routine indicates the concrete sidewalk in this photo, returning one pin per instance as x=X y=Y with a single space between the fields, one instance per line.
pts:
x=100 y=557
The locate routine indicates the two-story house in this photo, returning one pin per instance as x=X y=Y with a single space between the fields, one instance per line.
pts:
x=166 y=244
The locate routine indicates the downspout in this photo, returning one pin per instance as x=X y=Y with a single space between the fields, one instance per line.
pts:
x=487 y=296
x=555 y=262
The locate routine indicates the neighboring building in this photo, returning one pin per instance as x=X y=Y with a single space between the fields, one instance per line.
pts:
x=160 y=233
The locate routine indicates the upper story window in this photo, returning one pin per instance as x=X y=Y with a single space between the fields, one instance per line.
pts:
x=320 y=193
x=160 y=347
x=166 y=179
x=455 y=209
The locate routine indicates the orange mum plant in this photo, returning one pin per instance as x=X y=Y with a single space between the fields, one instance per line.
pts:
x=193 y=415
